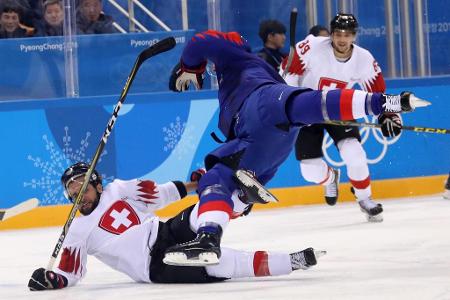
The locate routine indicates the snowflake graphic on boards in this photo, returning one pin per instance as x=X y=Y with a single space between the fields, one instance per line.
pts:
x=53 y=167
x=173 y=141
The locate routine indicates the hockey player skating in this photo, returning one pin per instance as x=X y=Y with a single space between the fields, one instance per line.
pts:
x=335 y=62
x=260 y=116
x=119 y=228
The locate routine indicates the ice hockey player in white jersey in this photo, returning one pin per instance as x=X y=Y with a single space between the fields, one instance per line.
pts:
x=118 y=226
x=335 y=62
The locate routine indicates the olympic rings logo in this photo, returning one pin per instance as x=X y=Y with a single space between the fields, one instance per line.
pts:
x=365 y=133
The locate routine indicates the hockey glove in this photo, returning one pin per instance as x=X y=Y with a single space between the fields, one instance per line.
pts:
x=182 y=77
x=391 y=124
x=197 y=174
x=42 y=279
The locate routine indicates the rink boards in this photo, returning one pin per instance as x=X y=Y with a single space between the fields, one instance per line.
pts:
x=163 y=136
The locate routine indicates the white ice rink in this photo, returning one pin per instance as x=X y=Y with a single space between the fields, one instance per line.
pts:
x=405 y=257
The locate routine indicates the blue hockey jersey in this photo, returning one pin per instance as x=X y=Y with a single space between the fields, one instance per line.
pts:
x=239 y=72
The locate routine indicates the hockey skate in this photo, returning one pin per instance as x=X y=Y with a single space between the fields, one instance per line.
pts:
x=447 y=189
x=202 y=251
x=331 y=190
x=305 y=259
x=372 y=210
x=254 y=192
x=405 y=102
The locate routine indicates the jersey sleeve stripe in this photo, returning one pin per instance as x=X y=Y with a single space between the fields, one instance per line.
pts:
x=215 y=205
x=346 y=105
x=358 y=104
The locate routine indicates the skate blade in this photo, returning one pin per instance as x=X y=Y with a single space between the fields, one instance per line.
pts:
x=446 y=194
x=319 y=253
x=247 y=179
x=180 y=259
x=417 y=102
x=266 y=196
x=375 y=219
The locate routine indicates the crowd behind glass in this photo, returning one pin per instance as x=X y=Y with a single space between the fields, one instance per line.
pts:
x=36 y=18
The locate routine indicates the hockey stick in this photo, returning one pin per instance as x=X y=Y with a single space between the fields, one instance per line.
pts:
x=404 y=127
x=292 y=25
x=19 y=208
x=160 y=47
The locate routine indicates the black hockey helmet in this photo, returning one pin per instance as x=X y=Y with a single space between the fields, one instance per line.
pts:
x=344 y=22
x=77 y=171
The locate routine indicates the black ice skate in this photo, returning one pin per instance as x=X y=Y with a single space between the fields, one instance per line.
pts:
x=331 y=190
x=372 y=210
x=447 y=189
x=254 y=192
x=405 y=102
x=305 y=259
x=202 y=251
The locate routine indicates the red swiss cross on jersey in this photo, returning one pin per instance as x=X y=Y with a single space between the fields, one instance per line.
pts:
x=326 y=83
x=119 y=218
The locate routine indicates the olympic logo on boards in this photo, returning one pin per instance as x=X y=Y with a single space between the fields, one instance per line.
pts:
x=365 y=133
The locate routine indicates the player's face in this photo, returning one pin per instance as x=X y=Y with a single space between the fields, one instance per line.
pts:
x=90 y=198
x=342 y=41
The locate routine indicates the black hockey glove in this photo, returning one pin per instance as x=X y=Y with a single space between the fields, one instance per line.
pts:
x=197 y=174
x=42 y=279
x=181 y=77
x=391 y=124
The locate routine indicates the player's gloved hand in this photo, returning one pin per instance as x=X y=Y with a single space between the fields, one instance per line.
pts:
x=391 y=124
x=42 y=279
x=182 y=77
x=197 y=174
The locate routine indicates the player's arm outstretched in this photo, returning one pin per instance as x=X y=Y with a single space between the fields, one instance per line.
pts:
x=156 y=196
x=221 y=48
x=71 y=268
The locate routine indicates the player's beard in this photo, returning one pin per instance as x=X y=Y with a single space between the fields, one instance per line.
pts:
x=85 y=211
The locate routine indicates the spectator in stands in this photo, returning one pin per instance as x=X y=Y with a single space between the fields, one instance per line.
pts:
x=319 y=30
x=10 y=22
x=273 y=36
x=52 y=24
x=26 y=15
x=91 y=19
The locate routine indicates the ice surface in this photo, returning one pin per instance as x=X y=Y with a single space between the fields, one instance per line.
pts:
x=405 y=257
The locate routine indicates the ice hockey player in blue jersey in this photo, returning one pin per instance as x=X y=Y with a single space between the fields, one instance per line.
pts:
x=260 y=116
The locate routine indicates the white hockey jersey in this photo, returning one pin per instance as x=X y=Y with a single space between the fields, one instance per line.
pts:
x=315 y=66
x=119 y=232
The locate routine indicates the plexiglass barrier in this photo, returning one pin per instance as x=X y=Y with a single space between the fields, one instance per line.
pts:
x=35 y=68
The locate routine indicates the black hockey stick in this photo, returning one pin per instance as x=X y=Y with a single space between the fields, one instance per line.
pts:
x=292 y=25
x=404 y=127
x=160 y=47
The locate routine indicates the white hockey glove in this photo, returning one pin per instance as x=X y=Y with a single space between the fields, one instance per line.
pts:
x=182 y=77
x=391 y=124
